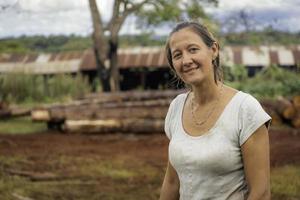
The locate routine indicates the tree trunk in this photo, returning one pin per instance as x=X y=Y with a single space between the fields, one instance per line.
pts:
x=113 y=56
x=100 y=47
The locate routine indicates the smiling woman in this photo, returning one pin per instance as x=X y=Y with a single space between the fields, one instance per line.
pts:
x=219 y=146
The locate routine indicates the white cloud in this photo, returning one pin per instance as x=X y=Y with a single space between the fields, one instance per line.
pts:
x=32 y=17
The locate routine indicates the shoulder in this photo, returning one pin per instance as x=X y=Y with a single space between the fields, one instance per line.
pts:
x=178 y=99
x=248 y=101
x=251 y=117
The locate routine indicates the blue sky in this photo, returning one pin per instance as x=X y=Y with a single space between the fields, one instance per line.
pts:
x=32 y=17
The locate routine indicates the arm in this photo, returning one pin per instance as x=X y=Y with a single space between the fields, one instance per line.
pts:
x=257 y=164
x=170 y=187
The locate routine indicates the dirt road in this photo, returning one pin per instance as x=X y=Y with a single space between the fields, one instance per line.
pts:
x=105 y=166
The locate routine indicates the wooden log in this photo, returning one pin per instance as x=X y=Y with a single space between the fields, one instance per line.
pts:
x=281 y=104
x=296 y=101
x=5 y=113
x=296 y=121
x=285 y=108
x=20 y=112
x=136 y=109
x=115 y=113
x=114 y=125
x=40 y=115
x=289 y=112
x=134 y=95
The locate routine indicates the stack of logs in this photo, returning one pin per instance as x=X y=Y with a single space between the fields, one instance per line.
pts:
x=137 y=111
x=7 y=111
x=133 y=111
x=284 y=111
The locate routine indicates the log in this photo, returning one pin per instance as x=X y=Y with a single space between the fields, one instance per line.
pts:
x=296 y=120
x=5 y=113
x=296 y=101
x=135 y=109
x=289 y=112
x=281 y=104
x=114 y=125
x=40 y=115
x=296 y=123
x=285 y=108
x=20 y=112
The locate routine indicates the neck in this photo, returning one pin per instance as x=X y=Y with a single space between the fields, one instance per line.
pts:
x=206 y=92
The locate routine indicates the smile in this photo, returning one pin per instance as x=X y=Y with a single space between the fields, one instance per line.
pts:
x=190 y=69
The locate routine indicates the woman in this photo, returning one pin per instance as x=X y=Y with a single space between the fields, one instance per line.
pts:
x=219 y=146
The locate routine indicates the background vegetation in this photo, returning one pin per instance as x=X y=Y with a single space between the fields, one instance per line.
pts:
x=29 y=88
x=59 y=43
x=271 y=82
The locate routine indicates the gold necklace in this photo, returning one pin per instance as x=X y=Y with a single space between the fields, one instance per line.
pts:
x=197 y=123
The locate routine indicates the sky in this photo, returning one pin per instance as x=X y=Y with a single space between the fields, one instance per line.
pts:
x=46 y=17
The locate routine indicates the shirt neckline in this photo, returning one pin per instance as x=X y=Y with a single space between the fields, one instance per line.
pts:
x=210 y=131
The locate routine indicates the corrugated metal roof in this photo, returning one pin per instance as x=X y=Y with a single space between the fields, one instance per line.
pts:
x=255 y=56
x=285 y=56
x=41 y=63
x=144 y=57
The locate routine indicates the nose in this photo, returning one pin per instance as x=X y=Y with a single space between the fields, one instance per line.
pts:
x=186 y=60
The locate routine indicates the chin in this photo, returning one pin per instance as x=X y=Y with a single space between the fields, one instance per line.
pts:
x=193 y=80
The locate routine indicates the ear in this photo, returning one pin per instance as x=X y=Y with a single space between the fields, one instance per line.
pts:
x=215 y=50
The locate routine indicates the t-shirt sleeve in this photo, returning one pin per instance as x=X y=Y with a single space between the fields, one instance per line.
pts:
x=168 y=120
x=251 y=117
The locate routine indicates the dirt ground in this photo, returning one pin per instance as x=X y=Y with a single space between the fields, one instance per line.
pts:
x=106 y=166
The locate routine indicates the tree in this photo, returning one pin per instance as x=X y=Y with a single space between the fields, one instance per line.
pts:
x=155 y=12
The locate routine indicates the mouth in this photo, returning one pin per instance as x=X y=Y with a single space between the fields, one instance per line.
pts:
x=191 y=69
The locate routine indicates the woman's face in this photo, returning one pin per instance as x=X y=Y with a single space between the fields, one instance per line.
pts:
x=191 y=57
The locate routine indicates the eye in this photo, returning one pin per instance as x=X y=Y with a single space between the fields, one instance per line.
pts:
x=176 y=56
x=193 y=49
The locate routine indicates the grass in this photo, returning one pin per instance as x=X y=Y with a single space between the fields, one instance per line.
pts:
x=21 y=125
x=115 y=178
x=94 y=179
x=285 y=182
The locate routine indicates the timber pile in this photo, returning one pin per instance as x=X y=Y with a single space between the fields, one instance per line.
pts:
x=110 y=112
x=137 y=112
x=283 y=110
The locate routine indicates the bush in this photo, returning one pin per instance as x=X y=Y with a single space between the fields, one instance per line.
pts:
x=270 y=82
x=21 y=87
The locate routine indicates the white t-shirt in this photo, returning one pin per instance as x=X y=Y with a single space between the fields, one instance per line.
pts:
x=210 y=166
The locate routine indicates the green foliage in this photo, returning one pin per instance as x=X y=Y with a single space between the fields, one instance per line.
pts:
x=12 y=46
x=169 y=12
x=235 y=73
x=44 y=44
x=22 y=88
x=267 y=36
x=270 y=82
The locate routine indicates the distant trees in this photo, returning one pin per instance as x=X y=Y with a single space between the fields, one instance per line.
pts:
x=40 y=43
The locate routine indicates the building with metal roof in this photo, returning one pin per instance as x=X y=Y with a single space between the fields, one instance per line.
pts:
x=145 y=64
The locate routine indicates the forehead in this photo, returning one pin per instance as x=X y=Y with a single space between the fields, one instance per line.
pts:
x=185 y=36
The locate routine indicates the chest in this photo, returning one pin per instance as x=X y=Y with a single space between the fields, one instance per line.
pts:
x=210 y=154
